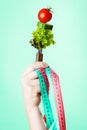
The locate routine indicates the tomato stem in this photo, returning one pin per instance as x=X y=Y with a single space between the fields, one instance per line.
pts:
x=50 y=9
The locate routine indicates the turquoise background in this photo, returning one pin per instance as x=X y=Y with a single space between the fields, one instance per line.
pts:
x=68 y=58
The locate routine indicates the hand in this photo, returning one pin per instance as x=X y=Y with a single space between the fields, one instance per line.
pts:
x=31 y=87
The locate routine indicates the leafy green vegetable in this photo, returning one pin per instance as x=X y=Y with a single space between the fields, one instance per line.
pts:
x=42 y=36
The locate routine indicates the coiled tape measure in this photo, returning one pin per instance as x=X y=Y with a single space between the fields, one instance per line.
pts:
x=48 y=78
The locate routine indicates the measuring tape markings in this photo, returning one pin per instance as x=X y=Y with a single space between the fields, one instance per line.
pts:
x=49 y=76
x=42 y=71
x=45 y=100
x=58 y=98
x=53 y=80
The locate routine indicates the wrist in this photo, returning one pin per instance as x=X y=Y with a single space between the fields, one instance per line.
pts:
x=35 y=119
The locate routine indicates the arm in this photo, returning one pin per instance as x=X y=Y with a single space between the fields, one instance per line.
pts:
x=31 y=90
x=35 y=120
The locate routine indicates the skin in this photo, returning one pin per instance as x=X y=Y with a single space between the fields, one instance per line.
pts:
x=31 y=96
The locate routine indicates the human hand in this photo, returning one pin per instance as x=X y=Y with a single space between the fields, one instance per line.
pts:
x=31 y=87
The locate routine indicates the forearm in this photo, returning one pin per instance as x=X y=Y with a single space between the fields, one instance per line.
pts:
x=35 y=120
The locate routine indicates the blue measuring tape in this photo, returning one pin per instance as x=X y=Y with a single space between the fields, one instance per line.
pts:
x=45 y=100
x=50 y=121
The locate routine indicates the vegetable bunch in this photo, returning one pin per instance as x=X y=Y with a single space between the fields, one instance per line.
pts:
x=42 y=37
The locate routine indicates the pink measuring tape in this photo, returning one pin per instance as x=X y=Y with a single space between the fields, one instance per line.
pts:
x=49 y=75
x=59 y=101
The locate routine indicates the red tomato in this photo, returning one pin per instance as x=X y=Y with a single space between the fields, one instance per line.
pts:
x=44 y=15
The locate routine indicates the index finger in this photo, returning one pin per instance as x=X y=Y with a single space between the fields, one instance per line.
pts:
x=35 y=65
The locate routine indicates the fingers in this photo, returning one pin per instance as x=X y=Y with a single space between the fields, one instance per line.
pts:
x=34 y=82
x=37 y=89
x=34 y=66
x=32 y=85
x=32 y=75
x=30 y=78
x=35 y=85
